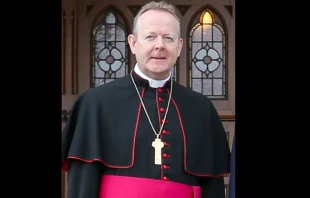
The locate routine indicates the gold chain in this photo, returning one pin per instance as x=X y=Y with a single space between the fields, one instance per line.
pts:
x=148 y=117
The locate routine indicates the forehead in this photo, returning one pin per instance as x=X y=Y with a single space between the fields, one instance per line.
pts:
x=157 y=20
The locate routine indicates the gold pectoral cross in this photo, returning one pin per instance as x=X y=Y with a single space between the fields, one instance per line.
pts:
x=158 y=145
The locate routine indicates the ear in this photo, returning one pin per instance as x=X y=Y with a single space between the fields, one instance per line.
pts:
x=180 y=46
x=132 y=43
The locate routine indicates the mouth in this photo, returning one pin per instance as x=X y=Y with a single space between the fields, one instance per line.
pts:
x=158 y=58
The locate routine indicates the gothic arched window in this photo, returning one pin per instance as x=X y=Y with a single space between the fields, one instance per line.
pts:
x=110 y=48
x=207 y=55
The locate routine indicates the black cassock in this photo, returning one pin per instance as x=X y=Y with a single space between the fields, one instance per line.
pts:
x=108 y=133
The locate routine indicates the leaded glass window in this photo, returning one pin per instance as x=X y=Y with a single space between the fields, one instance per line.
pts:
x=208 y=71
x=110 y=48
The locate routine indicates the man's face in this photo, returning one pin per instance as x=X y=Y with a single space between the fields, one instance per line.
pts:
x=157 y=44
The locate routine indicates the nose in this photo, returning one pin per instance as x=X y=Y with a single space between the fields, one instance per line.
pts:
x=160 y=44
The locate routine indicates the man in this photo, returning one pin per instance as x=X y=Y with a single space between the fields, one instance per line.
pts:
x=144 y=135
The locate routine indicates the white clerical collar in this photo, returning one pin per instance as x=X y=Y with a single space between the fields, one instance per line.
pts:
x=153 y=83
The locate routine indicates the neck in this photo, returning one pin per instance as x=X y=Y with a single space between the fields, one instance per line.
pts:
x=153 y=82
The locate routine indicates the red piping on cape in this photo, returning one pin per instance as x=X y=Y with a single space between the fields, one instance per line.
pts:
x=65 y=163
x=184 y=142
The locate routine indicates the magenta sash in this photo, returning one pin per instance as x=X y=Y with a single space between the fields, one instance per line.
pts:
x=132 y=187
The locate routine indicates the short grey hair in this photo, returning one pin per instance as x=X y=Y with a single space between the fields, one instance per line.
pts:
x=161 y=5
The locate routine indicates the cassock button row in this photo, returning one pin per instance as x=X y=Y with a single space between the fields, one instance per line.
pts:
x=161 y=99
x=162 y=109
x=165 y=132
x=161 y=90
x=165 y=155
x=165 y=178
x=166 y=121
x=165 y=166
x=166 y=144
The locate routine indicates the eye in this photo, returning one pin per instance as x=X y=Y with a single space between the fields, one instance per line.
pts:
x=169 y=38
x=150 y=37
